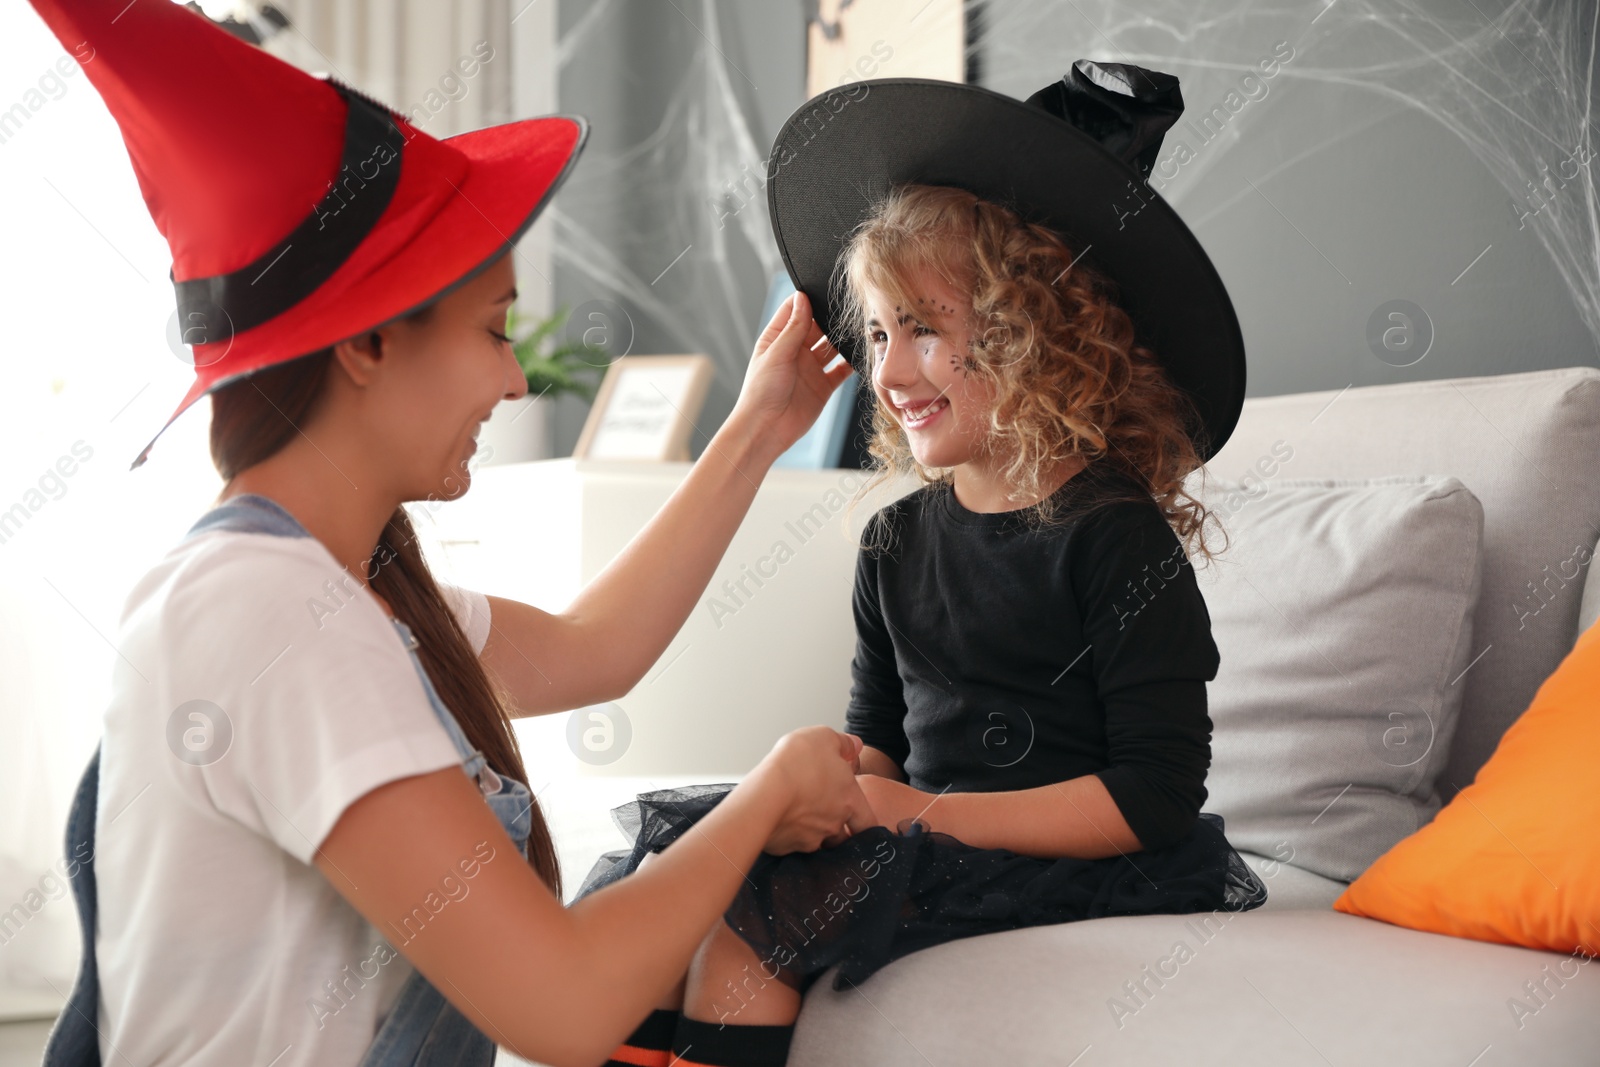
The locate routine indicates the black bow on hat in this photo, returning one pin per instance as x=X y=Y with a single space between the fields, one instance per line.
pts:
x=1128 y=109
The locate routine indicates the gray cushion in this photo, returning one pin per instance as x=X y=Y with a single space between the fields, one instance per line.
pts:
x=1589 y=607
x=1259 y=988
x=1343 y=614
x=1527 y=445
x=1290 y=887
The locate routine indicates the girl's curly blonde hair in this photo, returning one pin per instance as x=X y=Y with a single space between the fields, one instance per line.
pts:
x=1049 y=341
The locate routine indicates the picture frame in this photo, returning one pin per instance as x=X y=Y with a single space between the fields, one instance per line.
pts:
x=848 y=42
x=645 y=409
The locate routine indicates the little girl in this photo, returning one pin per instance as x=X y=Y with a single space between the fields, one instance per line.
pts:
x=1029 y=678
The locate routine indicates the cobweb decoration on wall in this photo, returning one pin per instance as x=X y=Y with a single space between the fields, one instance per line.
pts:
x=1514 y=82
x=696 y=271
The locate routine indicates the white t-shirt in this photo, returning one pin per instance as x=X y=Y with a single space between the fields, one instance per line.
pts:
x=219 y=942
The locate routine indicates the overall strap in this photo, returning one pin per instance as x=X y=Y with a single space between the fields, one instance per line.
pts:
x=510 y=800
x=254 y=513
x=249 y=513
x=75 y=1038
x=446 y=718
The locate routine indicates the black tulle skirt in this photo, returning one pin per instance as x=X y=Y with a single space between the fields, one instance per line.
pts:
x=884 y=894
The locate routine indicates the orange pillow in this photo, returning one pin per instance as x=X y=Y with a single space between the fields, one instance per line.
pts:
x=1515 y=856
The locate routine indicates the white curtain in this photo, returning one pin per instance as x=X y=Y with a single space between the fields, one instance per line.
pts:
x=88 y=372
x=449 y=65
x=408 y=53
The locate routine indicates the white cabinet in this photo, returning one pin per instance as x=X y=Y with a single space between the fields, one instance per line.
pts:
x=766 y=649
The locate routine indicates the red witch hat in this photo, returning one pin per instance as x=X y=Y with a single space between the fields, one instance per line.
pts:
x=299 y=211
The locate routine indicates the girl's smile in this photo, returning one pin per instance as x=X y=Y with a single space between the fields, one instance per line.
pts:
x=918 y=415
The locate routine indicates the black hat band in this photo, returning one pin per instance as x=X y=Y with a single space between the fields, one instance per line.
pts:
x=215 y=308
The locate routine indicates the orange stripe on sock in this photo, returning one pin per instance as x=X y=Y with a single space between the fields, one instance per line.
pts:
x=643 y=1057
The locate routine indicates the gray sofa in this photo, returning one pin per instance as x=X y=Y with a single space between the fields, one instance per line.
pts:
x=1296 y=982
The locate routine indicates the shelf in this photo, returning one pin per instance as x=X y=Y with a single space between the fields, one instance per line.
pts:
x=767 y=647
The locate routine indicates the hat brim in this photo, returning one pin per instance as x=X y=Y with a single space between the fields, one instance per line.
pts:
x=844 y=149
x=513 y=170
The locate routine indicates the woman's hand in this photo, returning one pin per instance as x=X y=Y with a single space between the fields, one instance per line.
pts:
x=894 y=802
x=812 y=774
x=785 y=385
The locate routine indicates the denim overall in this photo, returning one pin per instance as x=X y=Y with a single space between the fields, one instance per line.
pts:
x=423 y=1029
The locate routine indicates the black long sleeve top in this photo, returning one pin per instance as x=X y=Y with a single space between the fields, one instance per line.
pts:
x=993 y=656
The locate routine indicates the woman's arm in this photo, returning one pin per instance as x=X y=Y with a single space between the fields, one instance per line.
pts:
x=1072 y=818
x=601 y=646
x=566 y=985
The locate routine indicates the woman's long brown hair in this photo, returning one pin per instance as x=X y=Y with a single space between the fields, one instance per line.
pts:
x=252 y=419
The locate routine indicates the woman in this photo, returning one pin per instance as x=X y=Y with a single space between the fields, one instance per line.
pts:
x=307 y=836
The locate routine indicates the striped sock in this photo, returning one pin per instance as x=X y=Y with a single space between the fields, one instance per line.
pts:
x=650 y=1045
x=699 y=1044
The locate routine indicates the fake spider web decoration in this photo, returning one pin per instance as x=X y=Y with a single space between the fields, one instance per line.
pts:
x=1513 y=82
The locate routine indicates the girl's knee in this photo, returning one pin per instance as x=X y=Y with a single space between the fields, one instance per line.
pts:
x=729 y=983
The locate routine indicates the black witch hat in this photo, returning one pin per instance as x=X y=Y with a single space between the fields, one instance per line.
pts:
x=1076 y=156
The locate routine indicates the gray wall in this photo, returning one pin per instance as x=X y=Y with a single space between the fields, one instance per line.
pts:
x=1383 y=158
x=659 y=83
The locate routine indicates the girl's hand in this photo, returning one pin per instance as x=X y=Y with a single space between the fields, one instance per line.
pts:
x=785 y=385
x=894 y=802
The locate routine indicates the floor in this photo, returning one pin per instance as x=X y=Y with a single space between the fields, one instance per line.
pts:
x=23 y=1043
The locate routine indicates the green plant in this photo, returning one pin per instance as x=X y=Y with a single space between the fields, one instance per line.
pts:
x=566 y=367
